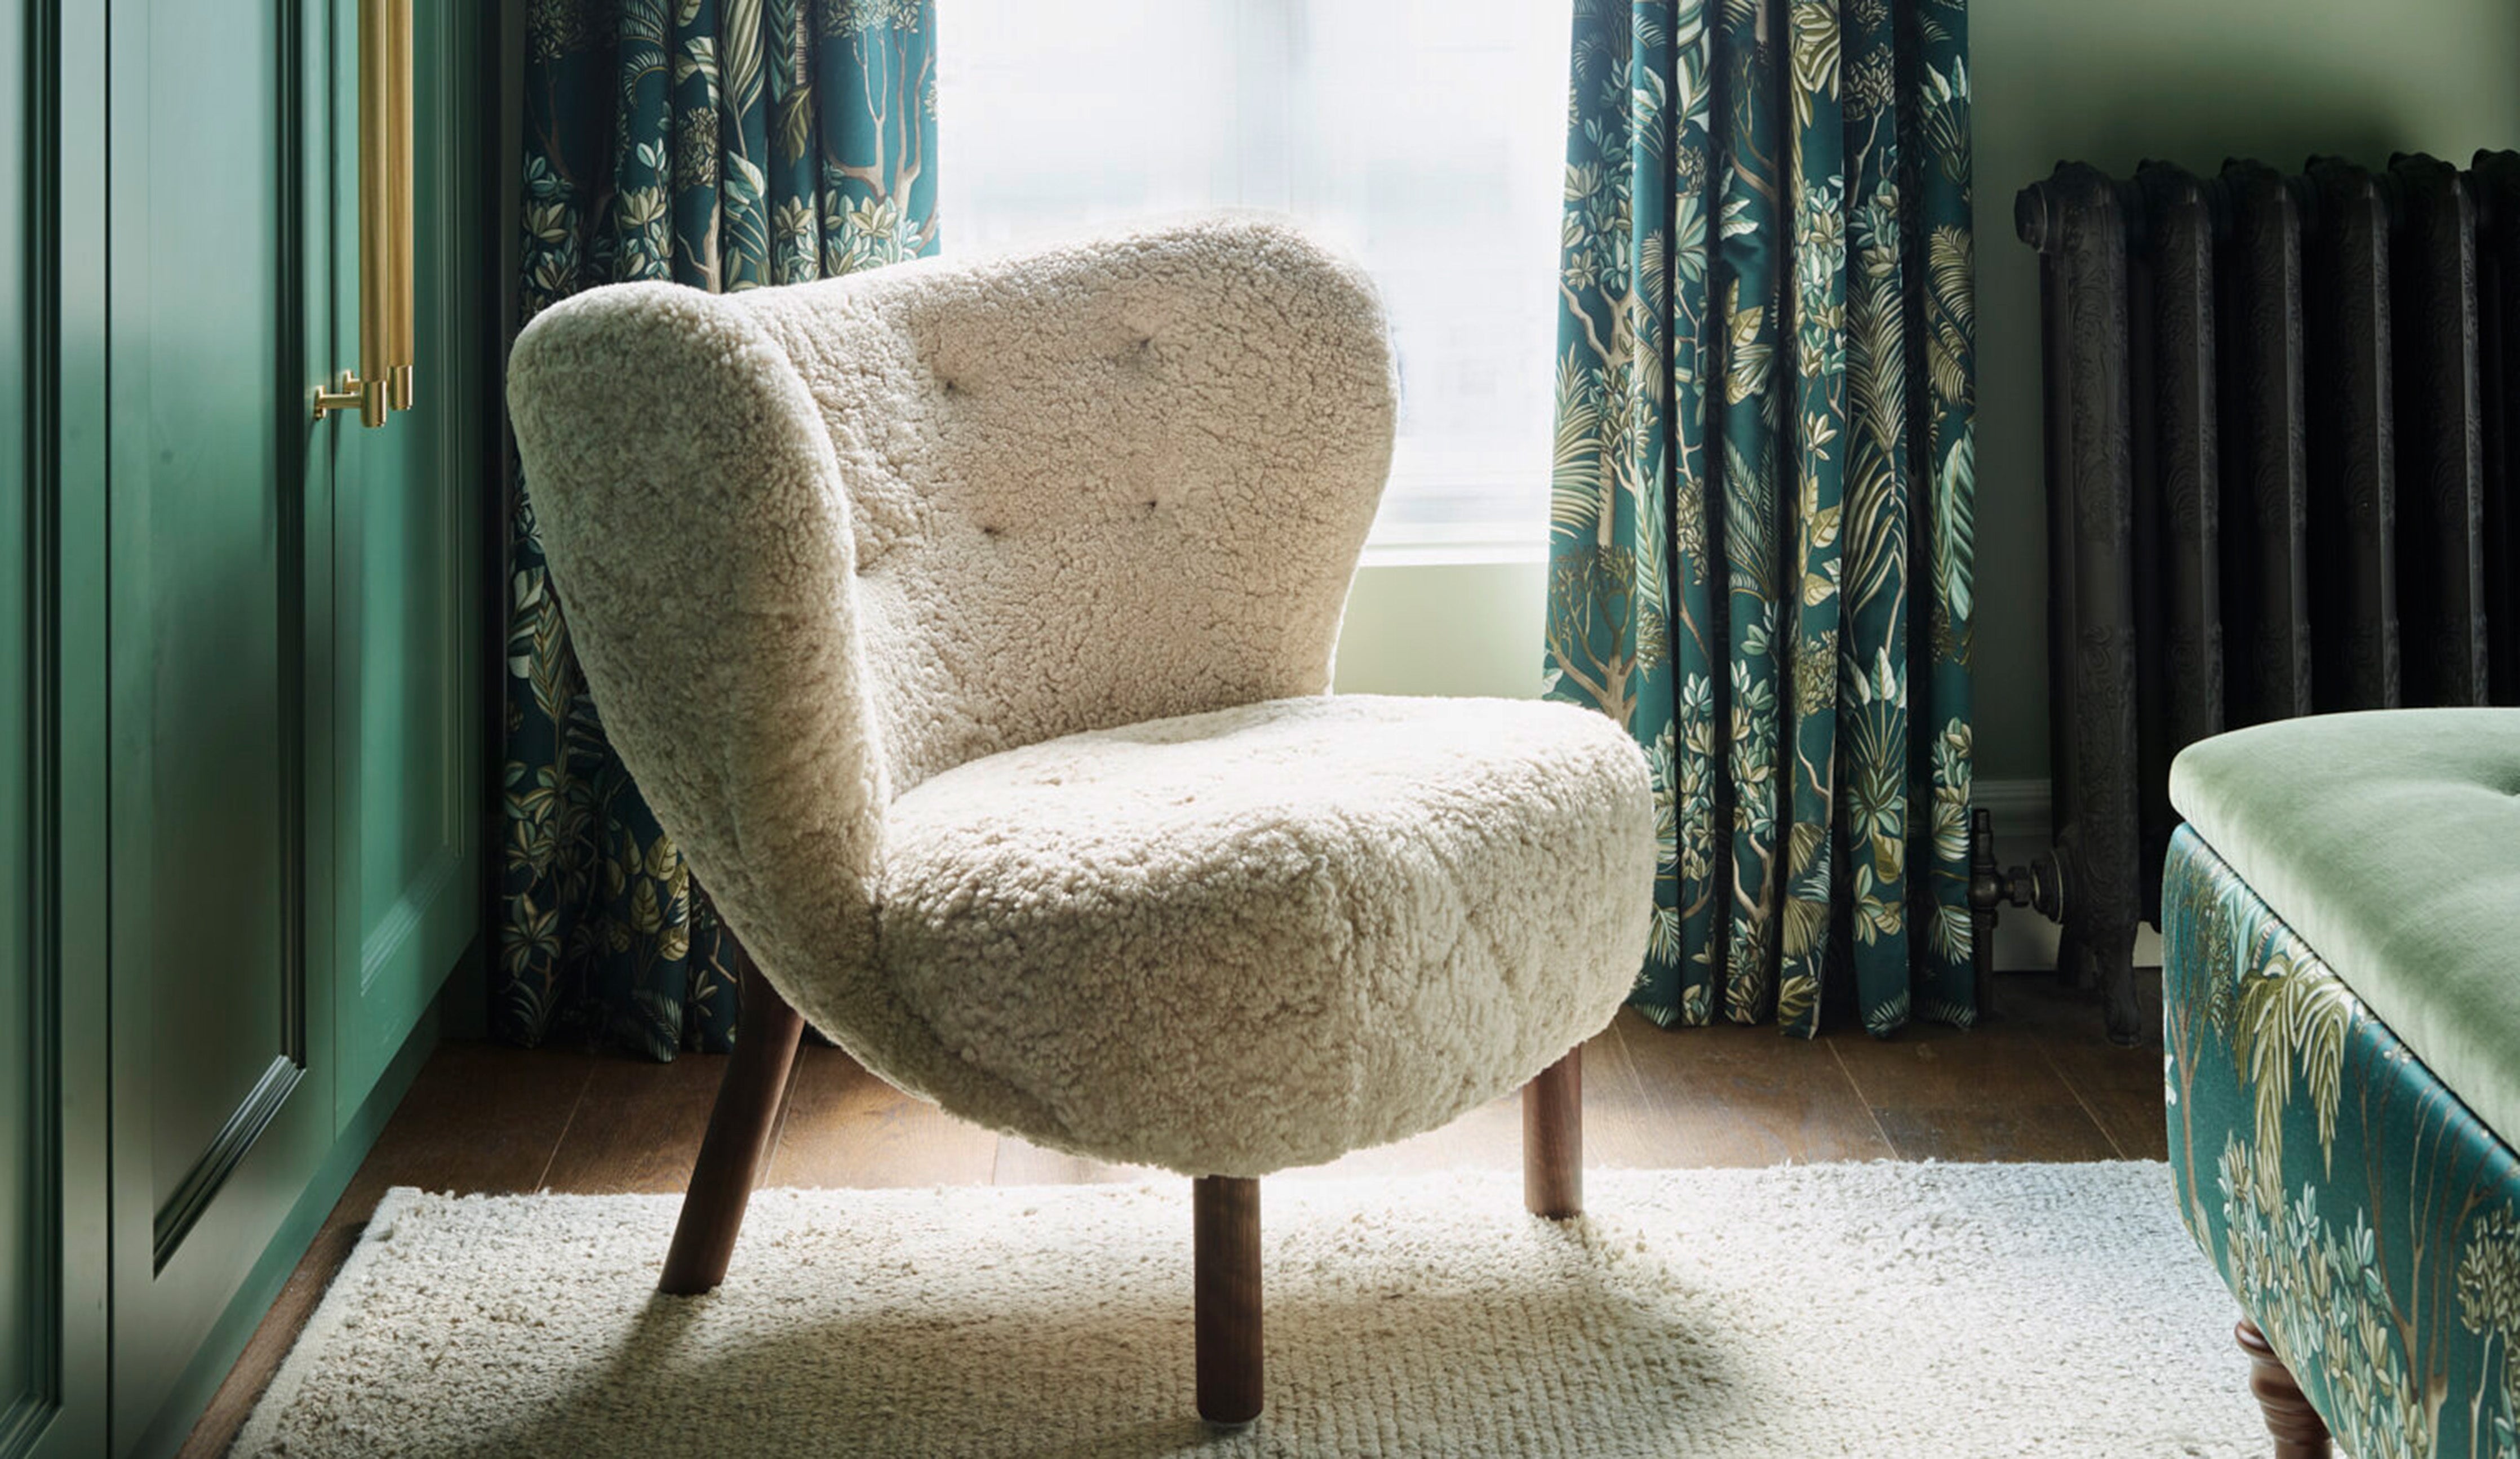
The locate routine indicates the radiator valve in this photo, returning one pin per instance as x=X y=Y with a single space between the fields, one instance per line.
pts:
x=2038 y=886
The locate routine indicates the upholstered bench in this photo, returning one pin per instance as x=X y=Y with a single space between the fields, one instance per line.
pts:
x=2341 y=986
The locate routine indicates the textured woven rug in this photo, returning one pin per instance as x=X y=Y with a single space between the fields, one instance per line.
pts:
x=1881 y=1309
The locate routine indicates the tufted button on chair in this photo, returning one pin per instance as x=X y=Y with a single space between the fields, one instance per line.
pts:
x=969 y=625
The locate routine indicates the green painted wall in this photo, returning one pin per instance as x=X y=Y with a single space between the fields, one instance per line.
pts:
x=2113 y=82
x=2110 y=83
x=1447 y=629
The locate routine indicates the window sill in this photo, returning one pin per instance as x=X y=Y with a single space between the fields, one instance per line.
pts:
x=1406 y=554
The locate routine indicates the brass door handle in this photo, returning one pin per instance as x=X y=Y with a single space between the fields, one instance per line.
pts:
x=383 y=382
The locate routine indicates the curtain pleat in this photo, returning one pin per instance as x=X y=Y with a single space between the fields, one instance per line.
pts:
x=1760 y=509
x=723 y=144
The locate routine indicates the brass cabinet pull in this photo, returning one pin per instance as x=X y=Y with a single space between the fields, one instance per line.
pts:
x=383 y=382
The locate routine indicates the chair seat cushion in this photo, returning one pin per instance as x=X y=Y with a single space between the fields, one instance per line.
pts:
x=1230 y=942
x=2391 y=842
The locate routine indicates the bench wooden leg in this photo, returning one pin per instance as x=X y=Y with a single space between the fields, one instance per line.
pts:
x=1552 y=1140
x=1225 y=1212
x=766 y=1034
x=2300 y=1433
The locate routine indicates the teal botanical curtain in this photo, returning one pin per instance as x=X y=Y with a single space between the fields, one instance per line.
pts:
x=1760 y=540
x=723 y=144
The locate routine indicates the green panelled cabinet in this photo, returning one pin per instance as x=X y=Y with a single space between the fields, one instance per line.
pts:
x=53 y=1015
x=241 y=669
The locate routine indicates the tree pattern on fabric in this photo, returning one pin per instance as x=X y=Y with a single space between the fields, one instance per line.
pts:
x=2367 y=1221
x=726 y=145
x=1762 y=483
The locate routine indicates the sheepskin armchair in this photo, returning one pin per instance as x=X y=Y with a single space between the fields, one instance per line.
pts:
x=968 y=625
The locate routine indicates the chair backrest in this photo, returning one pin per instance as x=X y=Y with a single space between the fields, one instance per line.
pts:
x=817 y=544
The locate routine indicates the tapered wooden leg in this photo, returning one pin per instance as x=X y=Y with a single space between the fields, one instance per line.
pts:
x=766 y=1034
x=2300 y=1433
x=1552 y=1138
x=1225 y=1212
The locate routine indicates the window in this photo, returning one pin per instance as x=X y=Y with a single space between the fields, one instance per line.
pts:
x=1426 y=137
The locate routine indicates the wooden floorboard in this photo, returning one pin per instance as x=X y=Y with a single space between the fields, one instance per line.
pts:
x=2037 y=1083
x=637 y=1126
x=2122 y=1088
x=1020 y=1162
x=1994 y=1092
x=1487 y=1138
x=1985 y=1094
x=1727 y=1095
x=845 y=1127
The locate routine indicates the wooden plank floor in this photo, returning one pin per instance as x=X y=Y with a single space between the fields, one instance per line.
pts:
x=2036 y=1084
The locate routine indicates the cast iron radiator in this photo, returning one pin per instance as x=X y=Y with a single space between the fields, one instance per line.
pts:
x=2281 y=481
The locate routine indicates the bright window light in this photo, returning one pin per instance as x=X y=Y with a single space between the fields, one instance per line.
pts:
x=1426 y=137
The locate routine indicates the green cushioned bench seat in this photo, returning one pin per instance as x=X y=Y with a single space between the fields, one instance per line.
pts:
x=2341 y=1031
x=2390 y=843
x=2364 y=1216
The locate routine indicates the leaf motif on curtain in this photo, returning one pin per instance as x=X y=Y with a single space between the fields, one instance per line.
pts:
x=724 y=145
x=1764 y=418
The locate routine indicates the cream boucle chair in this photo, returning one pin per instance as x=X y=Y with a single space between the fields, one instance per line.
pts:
x=969 y=625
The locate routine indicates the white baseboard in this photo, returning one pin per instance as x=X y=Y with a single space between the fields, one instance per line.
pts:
x=2020 y=807
x=2023 y=939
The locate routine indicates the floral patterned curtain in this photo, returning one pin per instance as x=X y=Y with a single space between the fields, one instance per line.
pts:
x=723 y=144
x=1759 y=538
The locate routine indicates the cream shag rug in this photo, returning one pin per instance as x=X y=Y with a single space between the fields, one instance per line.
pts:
x=1878 y=1310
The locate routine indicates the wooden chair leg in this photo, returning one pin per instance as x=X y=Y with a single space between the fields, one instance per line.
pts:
x=766 y=1034
x=1552 y=1140
x=1224 y=1216
x=2300 y=1433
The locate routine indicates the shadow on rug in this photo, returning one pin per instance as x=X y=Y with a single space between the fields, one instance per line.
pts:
x=1887 y=1309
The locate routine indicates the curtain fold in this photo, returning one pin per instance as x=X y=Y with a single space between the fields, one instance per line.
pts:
x=724 y=145
x=1759 y=520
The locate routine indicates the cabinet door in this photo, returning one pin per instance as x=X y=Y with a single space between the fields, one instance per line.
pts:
x=407 y=587
x=52 y=1010
x=220 y=656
